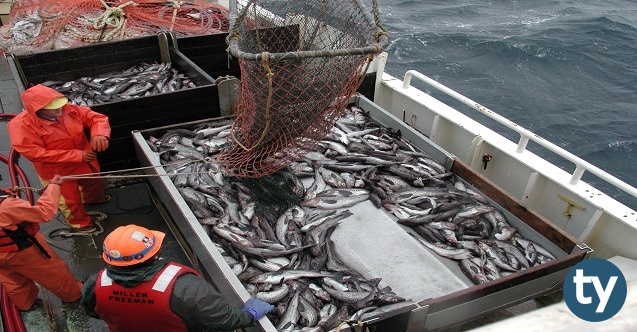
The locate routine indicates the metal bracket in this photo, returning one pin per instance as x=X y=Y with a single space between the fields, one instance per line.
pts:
x=571 y=204
x=164 y=48
x=417 y=319
x=228 y=89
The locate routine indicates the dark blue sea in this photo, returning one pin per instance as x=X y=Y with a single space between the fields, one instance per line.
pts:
x=566 y=70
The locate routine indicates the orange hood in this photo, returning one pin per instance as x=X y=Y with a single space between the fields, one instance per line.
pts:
x=38 y=96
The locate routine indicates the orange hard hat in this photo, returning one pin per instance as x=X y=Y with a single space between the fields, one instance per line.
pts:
x=130 y=245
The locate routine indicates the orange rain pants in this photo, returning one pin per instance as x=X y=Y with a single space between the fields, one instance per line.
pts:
x=20 y=270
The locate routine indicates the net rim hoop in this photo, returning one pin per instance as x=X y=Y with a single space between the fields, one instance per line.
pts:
x=376 y=48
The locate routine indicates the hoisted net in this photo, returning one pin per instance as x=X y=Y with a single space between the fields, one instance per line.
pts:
x=300 y=62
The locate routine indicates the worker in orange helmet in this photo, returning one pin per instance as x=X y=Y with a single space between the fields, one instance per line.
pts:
x=139 y=291
x=50 y=133
x=25 y=256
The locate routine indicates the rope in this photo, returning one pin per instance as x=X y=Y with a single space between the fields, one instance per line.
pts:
x=233 y=33
x=176 y=7
x=265 y=62
x=379 y=23
x=98 y=175
x=24 y=189
x=178 y=162
x=103 y=175
x=113 y=17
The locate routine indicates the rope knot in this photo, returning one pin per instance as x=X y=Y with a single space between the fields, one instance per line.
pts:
x=176 y=4
x=113 y=17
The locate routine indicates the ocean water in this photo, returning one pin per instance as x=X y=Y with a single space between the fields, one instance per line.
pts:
x=566 y=70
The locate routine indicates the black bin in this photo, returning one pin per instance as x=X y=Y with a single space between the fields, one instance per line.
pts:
x=209 y=53
x=125 y=116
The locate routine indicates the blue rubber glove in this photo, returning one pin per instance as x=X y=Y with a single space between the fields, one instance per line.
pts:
x=257 y=308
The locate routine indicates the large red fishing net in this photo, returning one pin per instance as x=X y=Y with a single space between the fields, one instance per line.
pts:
x=300 y=62
x=41 y=25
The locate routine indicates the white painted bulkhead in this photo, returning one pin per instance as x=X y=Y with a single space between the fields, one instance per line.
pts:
x=589 y=215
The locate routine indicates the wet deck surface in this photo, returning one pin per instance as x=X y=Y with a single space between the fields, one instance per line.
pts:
x=131 y=203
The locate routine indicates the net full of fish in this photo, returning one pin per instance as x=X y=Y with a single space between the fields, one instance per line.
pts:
x=142 y=80
x=285 y=256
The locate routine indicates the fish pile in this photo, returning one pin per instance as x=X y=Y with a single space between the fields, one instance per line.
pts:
x=142 y=80
x=288 y=259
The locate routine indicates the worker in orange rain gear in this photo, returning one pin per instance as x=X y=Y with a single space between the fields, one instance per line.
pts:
x=139 y=291
x=25 y=256
x=50 y=133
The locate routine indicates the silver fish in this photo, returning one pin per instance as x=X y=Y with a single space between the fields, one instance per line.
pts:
x=453 y=253
x=473 y=271
x=274 y=296
x=291 y=315
x=278 y=277
x=333 y=203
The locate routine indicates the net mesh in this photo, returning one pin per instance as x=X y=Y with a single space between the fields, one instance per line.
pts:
x=41 y=25
x=300 y=62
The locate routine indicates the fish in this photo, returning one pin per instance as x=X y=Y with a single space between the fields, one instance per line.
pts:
x=495 y=258
x=291 y=314
x=538 y=248
x=308 y=312
x=358 y=160
x=407 y=194
x=274 y=296
x=349 y=296
x=453 y=253
x=334 y=203
x=278 y=277
x=473 y=271
x=138 y=81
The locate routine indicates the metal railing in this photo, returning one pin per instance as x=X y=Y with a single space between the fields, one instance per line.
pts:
x=581 y=165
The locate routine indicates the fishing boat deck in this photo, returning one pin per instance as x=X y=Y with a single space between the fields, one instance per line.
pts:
x=131 y=202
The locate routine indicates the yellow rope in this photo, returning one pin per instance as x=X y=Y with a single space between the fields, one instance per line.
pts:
x=265 y=62
x=113 y=17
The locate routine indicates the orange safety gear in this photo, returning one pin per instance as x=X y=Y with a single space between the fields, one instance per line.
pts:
x=130 y=245
x=21 y=269
x=55 y=147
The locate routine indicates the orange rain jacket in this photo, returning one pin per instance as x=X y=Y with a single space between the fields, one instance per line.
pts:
x=55 y=148
x=20 y=270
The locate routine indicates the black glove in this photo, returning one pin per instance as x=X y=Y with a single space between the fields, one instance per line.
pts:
x=257 y=308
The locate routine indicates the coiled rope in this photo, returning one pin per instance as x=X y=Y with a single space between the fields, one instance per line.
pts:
x=113 y=17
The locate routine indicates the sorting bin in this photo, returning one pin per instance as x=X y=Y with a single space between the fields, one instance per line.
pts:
x=376 y=246
x=125 y=116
